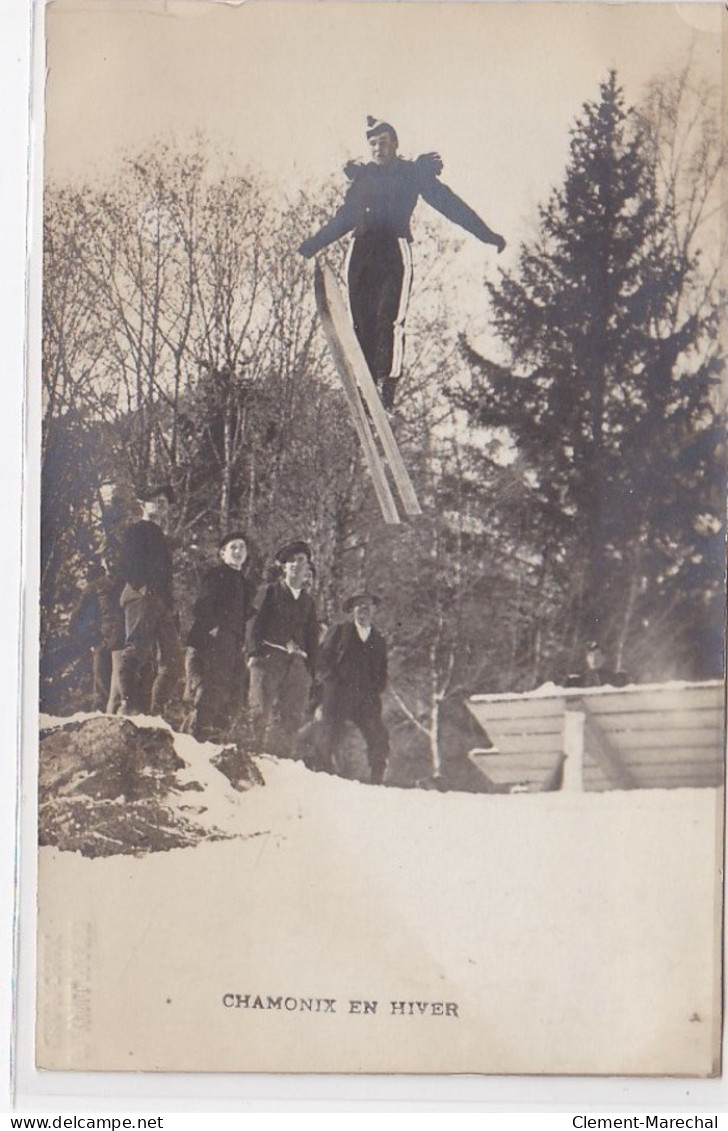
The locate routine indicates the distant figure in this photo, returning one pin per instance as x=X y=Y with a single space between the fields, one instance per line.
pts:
x=283 y=652
x=595 y=672
x=378 y=208
x=152 y=644
x=354 y=676
x=217 y=677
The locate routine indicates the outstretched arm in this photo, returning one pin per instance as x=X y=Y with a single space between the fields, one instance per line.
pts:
x=340 y=223
x=450 y=205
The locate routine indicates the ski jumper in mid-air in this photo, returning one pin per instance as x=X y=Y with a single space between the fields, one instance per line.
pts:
x=378 y=208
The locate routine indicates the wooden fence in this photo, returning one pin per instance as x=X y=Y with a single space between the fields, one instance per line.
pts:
x=638 y=737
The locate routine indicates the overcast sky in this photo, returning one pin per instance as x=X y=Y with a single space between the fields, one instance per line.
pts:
x=286 y=86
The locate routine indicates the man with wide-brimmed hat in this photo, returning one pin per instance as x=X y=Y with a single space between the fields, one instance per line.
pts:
x=353 y=669
x=217 y=677
x=283 y=651
x=378 y=208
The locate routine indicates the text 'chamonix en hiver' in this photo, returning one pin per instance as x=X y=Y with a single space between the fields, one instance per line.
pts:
x=357 y=1006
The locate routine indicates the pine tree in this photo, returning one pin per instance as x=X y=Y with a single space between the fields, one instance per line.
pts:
x=609 y=395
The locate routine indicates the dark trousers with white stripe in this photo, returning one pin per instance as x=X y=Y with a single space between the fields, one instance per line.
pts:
x=379 y=281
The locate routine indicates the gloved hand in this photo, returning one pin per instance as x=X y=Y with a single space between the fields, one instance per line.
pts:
x=352 y=168
x=430 y=164
x=307 y=248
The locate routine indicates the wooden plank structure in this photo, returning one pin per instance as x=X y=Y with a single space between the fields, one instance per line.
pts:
x=650 y=736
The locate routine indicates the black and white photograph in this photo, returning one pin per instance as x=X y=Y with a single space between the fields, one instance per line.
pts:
x=381 y=558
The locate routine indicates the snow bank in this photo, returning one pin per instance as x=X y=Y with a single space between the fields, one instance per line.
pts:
x=111 y=785
x=545 y=933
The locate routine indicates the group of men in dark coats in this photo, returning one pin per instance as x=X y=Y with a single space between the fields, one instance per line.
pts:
x=273 y=658
x=274 y=652
x=343 y=675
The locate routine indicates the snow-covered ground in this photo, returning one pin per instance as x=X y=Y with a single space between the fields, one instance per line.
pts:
x=546 y=933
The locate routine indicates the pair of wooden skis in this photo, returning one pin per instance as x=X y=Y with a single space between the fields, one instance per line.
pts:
x=370 y=419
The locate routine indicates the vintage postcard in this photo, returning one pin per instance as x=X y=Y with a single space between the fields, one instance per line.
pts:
x=379 y=409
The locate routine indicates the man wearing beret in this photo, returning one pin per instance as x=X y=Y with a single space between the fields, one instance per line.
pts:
x=283 y=651
x=378 y=208
x=354 y=675
x=215 y=661
x=151 y=632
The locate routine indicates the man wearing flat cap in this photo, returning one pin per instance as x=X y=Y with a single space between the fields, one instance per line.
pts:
x=378 y=208
x=353 y=670
x=217 y=677
x=283 y=652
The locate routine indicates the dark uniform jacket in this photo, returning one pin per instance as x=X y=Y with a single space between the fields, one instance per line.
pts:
x=355 y=665
x=383 y=198
x=283 y=617
x=225 y=602
x=146 y=559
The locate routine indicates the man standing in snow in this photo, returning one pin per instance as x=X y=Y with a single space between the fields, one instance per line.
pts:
x=378 y=208
x=283 y=651
x=354 y=674
x=215 y=662
x=151 y=637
